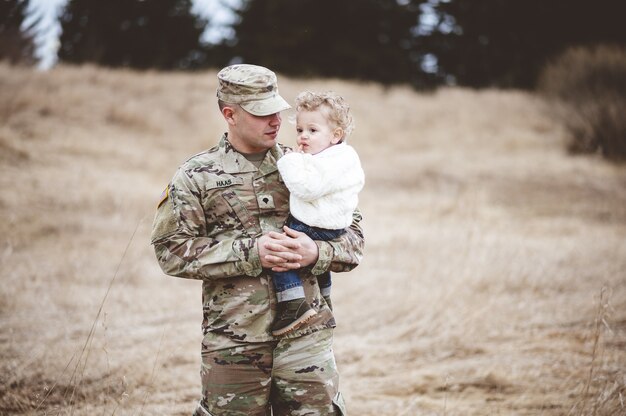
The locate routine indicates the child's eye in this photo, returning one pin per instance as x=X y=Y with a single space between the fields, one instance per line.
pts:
x=298 y=130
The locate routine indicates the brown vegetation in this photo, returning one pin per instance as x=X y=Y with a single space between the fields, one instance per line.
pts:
x=494 y=280
x=588 y=89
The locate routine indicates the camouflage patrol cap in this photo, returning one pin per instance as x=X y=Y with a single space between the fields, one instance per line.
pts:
x=253 y=87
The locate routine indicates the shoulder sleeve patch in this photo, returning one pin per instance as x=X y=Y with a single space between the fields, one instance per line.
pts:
x=165 y=222
x=164 y=195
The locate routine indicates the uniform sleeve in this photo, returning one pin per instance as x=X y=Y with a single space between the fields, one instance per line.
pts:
x=343 y=253
x=180 y=241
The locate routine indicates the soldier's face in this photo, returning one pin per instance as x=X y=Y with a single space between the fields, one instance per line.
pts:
x=315 y=132
x=252 y=134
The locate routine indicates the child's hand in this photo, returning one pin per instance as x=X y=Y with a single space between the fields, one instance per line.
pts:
x=300 y=148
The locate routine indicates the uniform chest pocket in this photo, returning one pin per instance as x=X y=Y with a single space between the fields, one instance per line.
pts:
x=244 y=216
x=272 y=195
x=225 y=212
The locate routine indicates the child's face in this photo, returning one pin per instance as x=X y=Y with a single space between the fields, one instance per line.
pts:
x=315 y=133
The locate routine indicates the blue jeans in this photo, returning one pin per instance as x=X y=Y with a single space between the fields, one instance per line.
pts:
x=288 y=285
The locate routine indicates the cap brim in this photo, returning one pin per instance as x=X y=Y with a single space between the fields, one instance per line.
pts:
x=266 y=106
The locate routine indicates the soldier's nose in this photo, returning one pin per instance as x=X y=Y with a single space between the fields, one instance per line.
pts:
x=275 y=119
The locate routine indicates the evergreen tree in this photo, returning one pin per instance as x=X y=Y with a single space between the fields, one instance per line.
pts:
x=161 y=34
x=507 y=42
x=356 y=39
x=16 y=41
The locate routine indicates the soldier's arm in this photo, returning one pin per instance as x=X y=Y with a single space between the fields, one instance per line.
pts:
x=343 y=253
x=180 y=241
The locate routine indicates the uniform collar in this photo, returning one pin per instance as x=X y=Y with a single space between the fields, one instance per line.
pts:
x=235 y=162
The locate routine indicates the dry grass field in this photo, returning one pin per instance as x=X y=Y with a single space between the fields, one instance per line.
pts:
x=494 y=281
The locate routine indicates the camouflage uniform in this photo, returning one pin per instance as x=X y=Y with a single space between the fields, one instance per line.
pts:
x=207 y=225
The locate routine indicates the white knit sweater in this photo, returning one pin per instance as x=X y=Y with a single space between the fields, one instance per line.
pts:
x=324 y=187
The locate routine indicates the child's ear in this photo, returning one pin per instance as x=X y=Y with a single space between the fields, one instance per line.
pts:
x=337 y=135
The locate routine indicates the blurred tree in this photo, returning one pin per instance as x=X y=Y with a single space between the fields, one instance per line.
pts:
x=506 y=43
x=161 y=34
x=356 y=39
x=16 y=40
x=474 y=43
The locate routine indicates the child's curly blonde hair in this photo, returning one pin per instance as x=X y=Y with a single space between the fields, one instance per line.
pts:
x=333 y=105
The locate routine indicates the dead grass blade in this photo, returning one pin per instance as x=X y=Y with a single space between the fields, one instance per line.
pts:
x=75 y=379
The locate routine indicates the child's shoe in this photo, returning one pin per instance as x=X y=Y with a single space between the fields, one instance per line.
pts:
x=291 y=314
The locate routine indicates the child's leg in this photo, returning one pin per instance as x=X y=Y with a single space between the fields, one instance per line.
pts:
x=325 y=283
x=316 y=233
x=292 y=310
x=287 y=285
x=322 y=234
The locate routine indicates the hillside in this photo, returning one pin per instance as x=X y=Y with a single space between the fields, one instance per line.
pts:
x=494 y=280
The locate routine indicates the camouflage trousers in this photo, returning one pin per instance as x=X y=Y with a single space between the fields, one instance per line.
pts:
x=289 y=377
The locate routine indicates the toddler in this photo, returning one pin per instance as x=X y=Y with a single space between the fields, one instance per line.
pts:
x=324 y=178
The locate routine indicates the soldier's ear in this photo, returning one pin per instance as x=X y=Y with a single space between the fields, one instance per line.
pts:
x=229 y=114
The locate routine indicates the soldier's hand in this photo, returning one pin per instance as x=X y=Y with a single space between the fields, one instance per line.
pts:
x=279 y=252
x=306 y=247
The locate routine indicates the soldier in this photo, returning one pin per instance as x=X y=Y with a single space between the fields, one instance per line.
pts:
x=221 y=220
